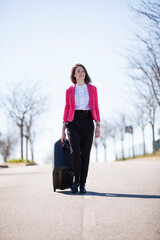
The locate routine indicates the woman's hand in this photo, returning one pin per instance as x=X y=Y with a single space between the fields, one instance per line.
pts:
x=63 y=137
x=97 y=132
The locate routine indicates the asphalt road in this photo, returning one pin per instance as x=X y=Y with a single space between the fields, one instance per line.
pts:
x=123 y=203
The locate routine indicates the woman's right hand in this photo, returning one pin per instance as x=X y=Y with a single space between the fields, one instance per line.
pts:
x=63 y=137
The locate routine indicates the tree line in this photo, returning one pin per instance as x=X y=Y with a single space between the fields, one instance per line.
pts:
x=143 y=58
x=23 y=104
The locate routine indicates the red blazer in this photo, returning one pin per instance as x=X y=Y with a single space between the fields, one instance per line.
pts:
x=69 y=109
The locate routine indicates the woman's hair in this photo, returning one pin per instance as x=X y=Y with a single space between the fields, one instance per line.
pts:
x=87 y=77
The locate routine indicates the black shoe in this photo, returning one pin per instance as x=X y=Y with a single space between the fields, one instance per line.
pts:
x=74 y=187
x=82 y=189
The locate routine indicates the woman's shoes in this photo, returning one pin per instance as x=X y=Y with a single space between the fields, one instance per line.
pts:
x=83 y=189
x=74 y=187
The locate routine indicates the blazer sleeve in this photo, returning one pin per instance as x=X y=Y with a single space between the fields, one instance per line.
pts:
x=66 y=108
x=96 y=105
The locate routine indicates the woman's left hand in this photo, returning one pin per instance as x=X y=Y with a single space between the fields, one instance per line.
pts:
x=97 y=132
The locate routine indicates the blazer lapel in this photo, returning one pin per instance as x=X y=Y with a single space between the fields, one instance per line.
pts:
x=73 y=95
x=90 y=94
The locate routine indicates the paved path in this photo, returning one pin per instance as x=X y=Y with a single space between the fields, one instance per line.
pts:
x=123 y=202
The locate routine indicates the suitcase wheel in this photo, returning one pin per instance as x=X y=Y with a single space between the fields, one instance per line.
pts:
x=54 y=189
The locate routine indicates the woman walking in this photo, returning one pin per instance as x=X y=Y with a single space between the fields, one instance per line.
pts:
x=81 y=108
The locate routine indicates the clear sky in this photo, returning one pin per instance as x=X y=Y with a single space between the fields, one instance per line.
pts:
x=42 y=40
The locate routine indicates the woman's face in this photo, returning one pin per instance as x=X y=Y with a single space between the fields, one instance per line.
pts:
x=80 y=73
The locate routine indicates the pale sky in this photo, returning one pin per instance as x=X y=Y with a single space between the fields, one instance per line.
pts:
x=42 y=40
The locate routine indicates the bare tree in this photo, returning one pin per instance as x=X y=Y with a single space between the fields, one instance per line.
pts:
x=7 y=145
x=121 y=130
x=151 y=110
x=105 y=131
x=96 y=143
x=144 y=73
x=150 y=12
x=30 y=119
x=144 y=59
x=31 y=140
x=26 y=134
x=142 y=121
x=23 y=103
x=146 y=109
x=113 y=134
x=30 y=134
x=16 y=107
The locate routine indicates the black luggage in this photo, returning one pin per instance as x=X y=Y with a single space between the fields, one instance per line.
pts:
x=62 y=167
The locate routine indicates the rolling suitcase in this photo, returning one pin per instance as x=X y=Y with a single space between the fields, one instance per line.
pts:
x=62 y=167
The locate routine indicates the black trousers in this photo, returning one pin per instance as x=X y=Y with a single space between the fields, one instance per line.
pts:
x=80 y=135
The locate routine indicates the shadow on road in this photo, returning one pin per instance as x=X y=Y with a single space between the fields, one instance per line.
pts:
x=118 y=195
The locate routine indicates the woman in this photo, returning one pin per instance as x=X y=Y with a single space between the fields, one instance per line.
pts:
x=81 y=108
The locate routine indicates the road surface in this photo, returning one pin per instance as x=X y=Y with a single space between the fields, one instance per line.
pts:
x=123 y=203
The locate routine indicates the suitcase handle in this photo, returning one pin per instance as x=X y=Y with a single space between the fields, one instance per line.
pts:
x=71 y=173
x=65 y=144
